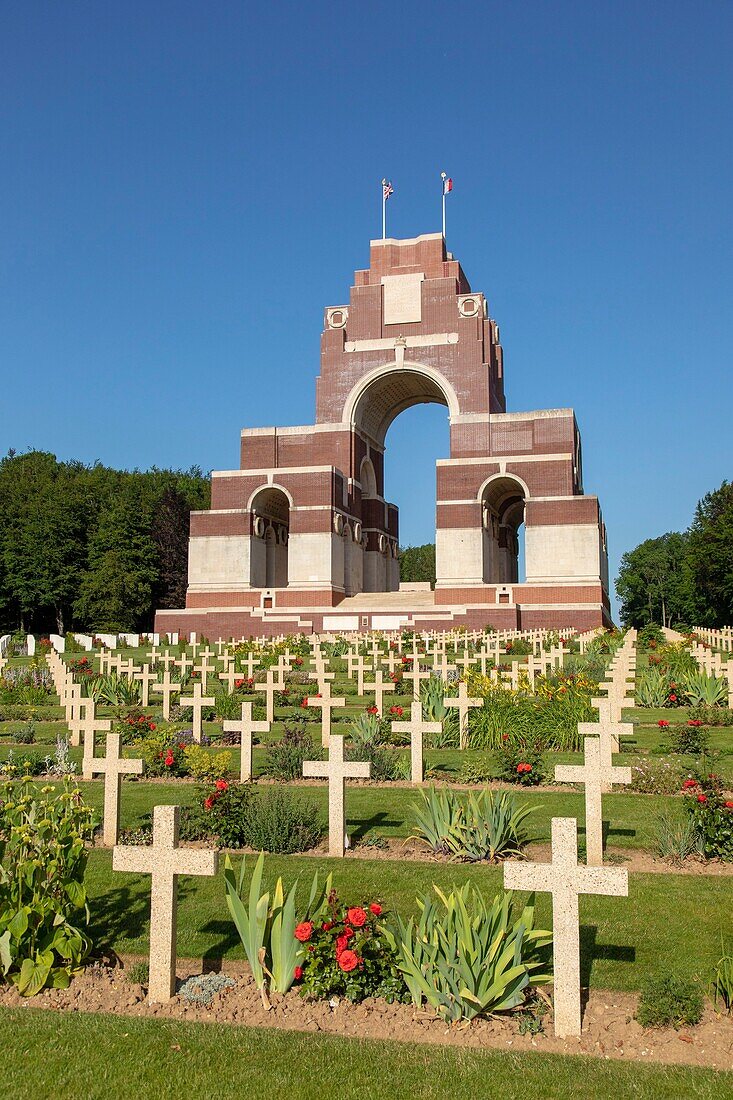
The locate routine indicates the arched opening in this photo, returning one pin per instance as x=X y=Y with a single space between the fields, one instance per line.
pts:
x=270 y=509
x=502 y=512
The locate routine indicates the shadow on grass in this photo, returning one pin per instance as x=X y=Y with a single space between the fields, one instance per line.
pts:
x=591 y=950
x=381 y=819
x=123 y=914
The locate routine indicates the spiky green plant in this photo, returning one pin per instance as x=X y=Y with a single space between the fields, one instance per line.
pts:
x=465 y=957
x=701 y=689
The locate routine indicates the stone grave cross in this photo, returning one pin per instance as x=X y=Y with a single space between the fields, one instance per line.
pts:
x=166 y=688
x=416 y=675
x=197 y=704
x=112 y=766
x=326 y=702
x=229 y=675
x=416 y=728
x=336 y=770
x=595 y=775
x=379 y=686
x=145 y=676
x=565 y=879
x=88 y=726
x=245 y=726
x=165 y=861
x=463 y=702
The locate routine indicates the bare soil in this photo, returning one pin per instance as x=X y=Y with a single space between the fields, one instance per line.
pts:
x=609 y=1027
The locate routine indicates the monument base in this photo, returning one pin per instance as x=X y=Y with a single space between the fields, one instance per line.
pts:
x=272 y=612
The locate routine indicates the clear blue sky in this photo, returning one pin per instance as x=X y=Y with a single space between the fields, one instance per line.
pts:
x=184 y=186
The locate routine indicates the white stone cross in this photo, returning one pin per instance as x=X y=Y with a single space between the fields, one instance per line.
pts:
x=166 y=688
x=245 y=726
x=197 y=704
x=336 y=770
x=565 y=879
x=361 y=667
x=112 y=766
x=145 y=676
x=204 y=668
x=326 y=702
x=416 y=728
x=229 y=675
x=183 y=664
x=416 y=674
x=595 y=775
x=463 y=702
x=165 y=861
x=76 y=704
x=379 y=686
x=269 y=688
x=88 y=726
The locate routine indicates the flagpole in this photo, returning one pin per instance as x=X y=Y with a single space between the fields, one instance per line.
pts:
x=443 y=176
x=384 y=209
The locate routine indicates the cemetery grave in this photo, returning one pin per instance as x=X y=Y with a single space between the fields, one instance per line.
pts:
x=571 y=794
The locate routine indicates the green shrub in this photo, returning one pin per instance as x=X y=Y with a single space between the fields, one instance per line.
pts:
x=649 y=776
x=43 y=901
x=485 y=827
x=466 y=958
x=650 y=637
x=520 y=759
x=712 y=716
x=221 y=811
x=349 y=955
x=386 y=763
x=475 y=771
x=502 y=712
x=700 y=689
x=26 y=735
x=712 y=814
x=677 y=838
x=24 y=763
x=690 y=739
x=227 y=706
x=279 y=821
x=669 y=1001
x=285 y=757
x=653 y=688
x=204 y=765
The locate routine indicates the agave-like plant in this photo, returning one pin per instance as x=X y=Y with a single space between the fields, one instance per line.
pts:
x=701 y=689
x=465 y=957
x=437 y=818
x=492 y=828
x=652 y=689
x=432 y=693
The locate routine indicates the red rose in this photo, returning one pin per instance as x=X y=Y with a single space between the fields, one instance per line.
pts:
x=181 y=745
x=688 y=783
x=356 y=916
x=372 y=710
x=376 y=909
x=169 y=760
x=222 y=785
x=208 y=803
x=304 y=931
x=728 y=805
x=348 y=960
x=342 y=942
x=238 y=683
x=326 y=926
x=702 y=798
x=298 y=973
x=151 y=725
x=673 y=698
x=505 y=736
x=662 y=723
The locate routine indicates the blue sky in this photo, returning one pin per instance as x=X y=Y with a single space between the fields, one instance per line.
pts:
x=184 y=186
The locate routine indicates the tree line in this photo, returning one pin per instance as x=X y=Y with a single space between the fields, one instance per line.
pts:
x=92 y=548
x=683 y=578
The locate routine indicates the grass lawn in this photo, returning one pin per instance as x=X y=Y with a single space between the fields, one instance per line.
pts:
x=631 y=819
x=95 y=1056
x=667 y=922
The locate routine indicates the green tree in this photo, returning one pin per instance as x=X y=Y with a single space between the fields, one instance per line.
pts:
x=417 y=563
x=653 y=583
x=710 y=558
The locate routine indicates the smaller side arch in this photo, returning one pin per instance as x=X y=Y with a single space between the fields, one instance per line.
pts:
x=502 y=498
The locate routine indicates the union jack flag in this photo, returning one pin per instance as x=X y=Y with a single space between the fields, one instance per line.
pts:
x=387 y=189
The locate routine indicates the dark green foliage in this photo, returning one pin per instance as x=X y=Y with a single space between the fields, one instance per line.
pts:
x=688 y=739
x=670 y=1001
x=417 y=563
x=712 y=814
x=520 y=759
x=281 y=822
x=285 y=758
x=683 y=578
x=86 y=547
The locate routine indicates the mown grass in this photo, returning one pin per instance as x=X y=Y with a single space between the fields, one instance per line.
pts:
x=97 y=1056
x=668 y=922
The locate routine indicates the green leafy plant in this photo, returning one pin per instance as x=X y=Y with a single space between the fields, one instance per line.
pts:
x=649 y=776
x=723 y=981
x=43 y=901
x=669 y=1001
x=465 y=957
x=222 y=811
x=701 y=689
x=285 y=757
x=279 y=821
x=348 y=955
x=432 y=693
x=520 y=759
x=690 y=739
x=653 y=688
x=678 y=838
x=712 y=815
x=267 y=928
x=204 y=765
x=485 y=827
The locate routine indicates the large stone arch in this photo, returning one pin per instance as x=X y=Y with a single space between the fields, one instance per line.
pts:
x=270 y=508
x=382 y=394
x=502 y=498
